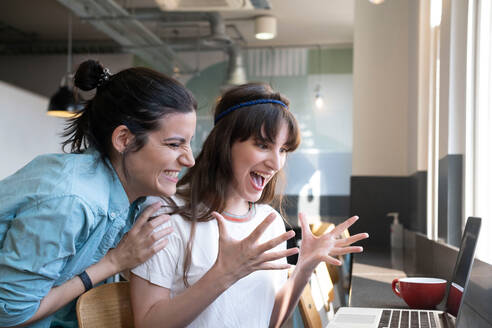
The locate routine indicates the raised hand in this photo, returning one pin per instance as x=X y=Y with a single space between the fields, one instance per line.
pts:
x=238 y=258
x=323 y=248
x=141 y=242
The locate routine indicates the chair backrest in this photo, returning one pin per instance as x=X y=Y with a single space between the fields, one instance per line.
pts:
x=321 y=282
x=316 y=298
x=320 y=228
x=107 y=305
x=307 y=308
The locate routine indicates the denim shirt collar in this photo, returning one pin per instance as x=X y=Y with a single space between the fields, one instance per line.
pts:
x=118 y=205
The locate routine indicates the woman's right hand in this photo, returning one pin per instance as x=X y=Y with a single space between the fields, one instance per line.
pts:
x=238 y=258
x=141 y=242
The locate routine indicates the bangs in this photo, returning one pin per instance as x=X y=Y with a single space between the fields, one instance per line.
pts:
x=263 y=122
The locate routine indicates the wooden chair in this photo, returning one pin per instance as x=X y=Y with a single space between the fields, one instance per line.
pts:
x=321 y=228
x=307 y=308
x=316 y=298
x=105 y=306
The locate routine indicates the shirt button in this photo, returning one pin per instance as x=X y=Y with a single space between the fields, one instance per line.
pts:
x=112 y=215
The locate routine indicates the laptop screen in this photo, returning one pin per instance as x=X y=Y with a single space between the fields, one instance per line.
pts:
x=463 y=265
x=475 y=308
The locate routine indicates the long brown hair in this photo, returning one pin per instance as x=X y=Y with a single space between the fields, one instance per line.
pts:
x=204 y=186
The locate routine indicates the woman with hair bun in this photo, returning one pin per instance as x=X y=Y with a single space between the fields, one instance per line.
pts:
x=225 y=260
x=69 y=221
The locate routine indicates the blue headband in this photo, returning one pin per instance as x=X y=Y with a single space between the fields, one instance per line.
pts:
x=249 y=103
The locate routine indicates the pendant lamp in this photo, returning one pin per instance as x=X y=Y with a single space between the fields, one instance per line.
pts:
x=63 y=103
x=265 y=27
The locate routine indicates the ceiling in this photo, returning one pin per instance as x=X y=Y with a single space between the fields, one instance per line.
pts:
x=41 y=27
x=308 y=22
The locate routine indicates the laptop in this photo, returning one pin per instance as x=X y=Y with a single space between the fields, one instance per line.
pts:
x=357 y=317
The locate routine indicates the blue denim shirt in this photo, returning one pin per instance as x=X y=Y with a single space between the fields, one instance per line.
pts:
x=58 y=215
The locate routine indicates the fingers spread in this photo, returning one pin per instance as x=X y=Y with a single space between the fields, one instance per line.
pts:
x=221 y=224
x=304 y=224
x=275 y=241
x=346 y=250
x=260 y=229
x=352 y=239
x=272 y=256
x=273 y=266
x=339 y=229
x=332 y=260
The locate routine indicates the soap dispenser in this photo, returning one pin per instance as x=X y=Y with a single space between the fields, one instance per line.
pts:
x=396 y=231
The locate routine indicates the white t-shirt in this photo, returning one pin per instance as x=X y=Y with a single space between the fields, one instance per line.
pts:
x=247 y=303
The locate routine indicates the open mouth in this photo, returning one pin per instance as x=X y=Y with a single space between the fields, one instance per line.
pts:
x=171 y=175
x=258 y=180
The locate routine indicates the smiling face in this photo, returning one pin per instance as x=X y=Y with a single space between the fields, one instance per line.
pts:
x=254 y=163
x=153 y=170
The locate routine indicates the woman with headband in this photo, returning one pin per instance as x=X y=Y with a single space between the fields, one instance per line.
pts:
x=68 y=221
x=225 y=260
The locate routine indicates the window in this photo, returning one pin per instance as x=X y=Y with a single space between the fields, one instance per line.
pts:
x=433 y=133
x=479 y=174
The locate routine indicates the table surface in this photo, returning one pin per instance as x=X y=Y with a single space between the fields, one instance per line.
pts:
x=372 y=274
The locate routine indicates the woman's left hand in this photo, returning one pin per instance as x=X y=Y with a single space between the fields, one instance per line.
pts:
x=323 y=248
x=142 y=241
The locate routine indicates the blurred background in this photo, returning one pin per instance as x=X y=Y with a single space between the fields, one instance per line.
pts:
x=391 y=96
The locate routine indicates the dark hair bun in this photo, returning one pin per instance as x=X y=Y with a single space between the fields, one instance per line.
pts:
x=88 y=75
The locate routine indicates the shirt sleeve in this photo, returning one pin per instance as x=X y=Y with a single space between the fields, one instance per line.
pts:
x=40 y=240
x=162 y=268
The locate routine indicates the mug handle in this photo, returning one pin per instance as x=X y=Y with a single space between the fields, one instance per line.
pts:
x=396 y=287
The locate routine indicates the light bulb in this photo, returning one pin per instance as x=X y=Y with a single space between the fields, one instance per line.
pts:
x=265 y=27
x=318 y=101
x=376 y=2
x=264 y=36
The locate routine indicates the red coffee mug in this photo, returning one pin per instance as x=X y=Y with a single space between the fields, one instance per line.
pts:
x=454 y=299
x=420 y=293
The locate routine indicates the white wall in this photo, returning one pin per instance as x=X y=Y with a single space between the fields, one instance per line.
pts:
x=380 y=144
x=413 y=73
x=27 y=83
x=25 y=129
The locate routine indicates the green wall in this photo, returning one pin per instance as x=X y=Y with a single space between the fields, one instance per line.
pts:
x=326 y=145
